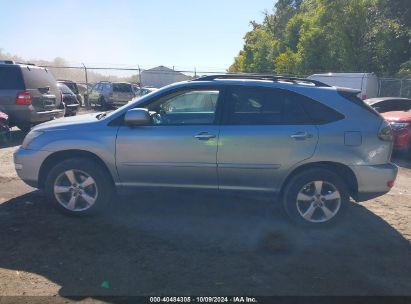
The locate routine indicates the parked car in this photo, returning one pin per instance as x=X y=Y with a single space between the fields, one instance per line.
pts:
x=111 y=94
x=4 y=127
x=74 y=88
x=366 y=83
x=400 y=122
x=70 y=101
x=301 y=141
x=388 y=104
x=397 y=111
x=145 y=90
x=28 y=94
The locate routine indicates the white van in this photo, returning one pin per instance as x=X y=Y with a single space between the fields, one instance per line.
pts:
x=367 y=83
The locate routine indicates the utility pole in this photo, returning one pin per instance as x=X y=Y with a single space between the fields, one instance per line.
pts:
x=87 y=89
x=139 y=76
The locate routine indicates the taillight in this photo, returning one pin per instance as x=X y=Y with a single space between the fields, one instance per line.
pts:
x=24 y=98
x=385 y=133
x=363 y=97
x=110 y=94
x=61 y=96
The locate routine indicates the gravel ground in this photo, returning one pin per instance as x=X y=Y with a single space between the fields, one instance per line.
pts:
x=202 y=243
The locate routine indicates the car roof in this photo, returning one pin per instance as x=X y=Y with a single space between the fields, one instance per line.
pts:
x=64 y=80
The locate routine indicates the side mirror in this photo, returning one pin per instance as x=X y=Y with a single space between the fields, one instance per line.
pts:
x=137 y=117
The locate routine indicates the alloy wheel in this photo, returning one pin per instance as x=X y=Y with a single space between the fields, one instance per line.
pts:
x=75 y=190
x=318 y=201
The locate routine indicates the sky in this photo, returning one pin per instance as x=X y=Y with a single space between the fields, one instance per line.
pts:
x=205 y=34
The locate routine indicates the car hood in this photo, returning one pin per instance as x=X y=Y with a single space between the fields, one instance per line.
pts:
x=67 y=121
x=397 y=116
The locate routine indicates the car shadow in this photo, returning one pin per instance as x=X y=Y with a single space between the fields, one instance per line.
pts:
x=201 y=243
x=402 y=162
x=15 y=139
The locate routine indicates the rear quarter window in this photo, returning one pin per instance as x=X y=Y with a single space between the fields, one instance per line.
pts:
x=319 y=113
x=11 y=78
x=72 y=86
x=122 y=87
x=356 y=100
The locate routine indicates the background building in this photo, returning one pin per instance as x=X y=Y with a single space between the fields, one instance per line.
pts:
x=161 y=76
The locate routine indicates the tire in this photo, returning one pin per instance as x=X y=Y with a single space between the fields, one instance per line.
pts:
x=103 y=104
x=64 y=108
x=79 y=186
x=316 y=197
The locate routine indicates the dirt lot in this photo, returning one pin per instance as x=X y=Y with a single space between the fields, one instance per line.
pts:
x=199 y=243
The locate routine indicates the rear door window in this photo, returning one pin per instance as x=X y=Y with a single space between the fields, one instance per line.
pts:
x=11 y=78
x=264 y=106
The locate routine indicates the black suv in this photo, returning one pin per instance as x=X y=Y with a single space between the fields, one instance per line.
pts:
x=28 y=94
x=73 y=87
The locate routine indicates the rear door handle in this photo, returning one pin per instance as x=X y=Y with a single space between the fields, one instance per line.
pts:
x=204 y=136
x=301 y=135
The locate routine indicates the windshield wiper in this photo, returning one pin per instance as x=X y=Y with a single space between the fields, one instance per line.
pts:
x=101 y=115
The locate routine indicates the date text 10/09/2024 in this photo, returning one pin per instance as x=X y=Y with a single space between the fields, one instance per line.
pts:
x=203 y=300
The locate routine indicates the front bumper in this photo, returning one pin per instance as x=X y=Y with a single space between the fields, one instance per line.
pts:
x=374 y=180
x=28 y=163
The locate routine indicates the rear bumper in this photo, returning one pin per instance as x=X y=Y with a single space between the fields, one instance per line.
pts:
x=71 y=109
x=28 y=115
x=374 y=180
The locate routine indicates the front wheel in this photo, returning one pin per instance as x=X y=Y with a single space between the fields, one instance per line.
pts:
x=79 y=186
x=315 y=197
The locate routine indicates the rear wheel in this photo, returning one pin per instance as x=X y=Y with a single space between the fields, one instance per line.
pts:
x=79 y=186
x=316 y=197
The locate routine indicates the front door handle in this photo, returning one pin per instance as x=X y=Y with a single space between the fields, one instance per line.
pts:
x=301 y=135
x=204 y=136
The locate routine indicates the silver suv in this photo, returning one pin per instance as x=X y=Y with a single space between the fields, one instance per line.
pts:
x=107 y=94
x=309 y=145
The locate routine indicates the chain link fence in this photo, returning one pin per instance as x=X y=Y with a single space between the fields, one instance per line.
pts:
x=87 y=76
x=394 y=87
x=160 y=76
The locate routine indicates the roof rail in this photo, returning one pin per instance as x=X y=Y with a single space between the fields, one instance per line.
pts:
x=276 y=78
x=24 y=63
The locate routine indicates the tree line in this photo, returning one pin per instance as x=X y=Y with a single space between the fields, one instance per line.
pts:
x=303 y=37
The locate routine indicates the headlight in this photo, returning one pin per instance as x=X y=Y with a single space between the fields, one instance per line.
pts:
x=29 y=138
x=399 y=125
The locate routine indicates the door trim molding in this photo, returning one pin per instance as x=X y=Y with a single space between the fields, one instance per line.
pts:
x=170 y=164
x=249 y=166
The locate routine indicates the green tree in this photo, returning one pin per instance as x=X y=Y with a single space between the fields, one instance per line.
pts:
x=306 y=36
